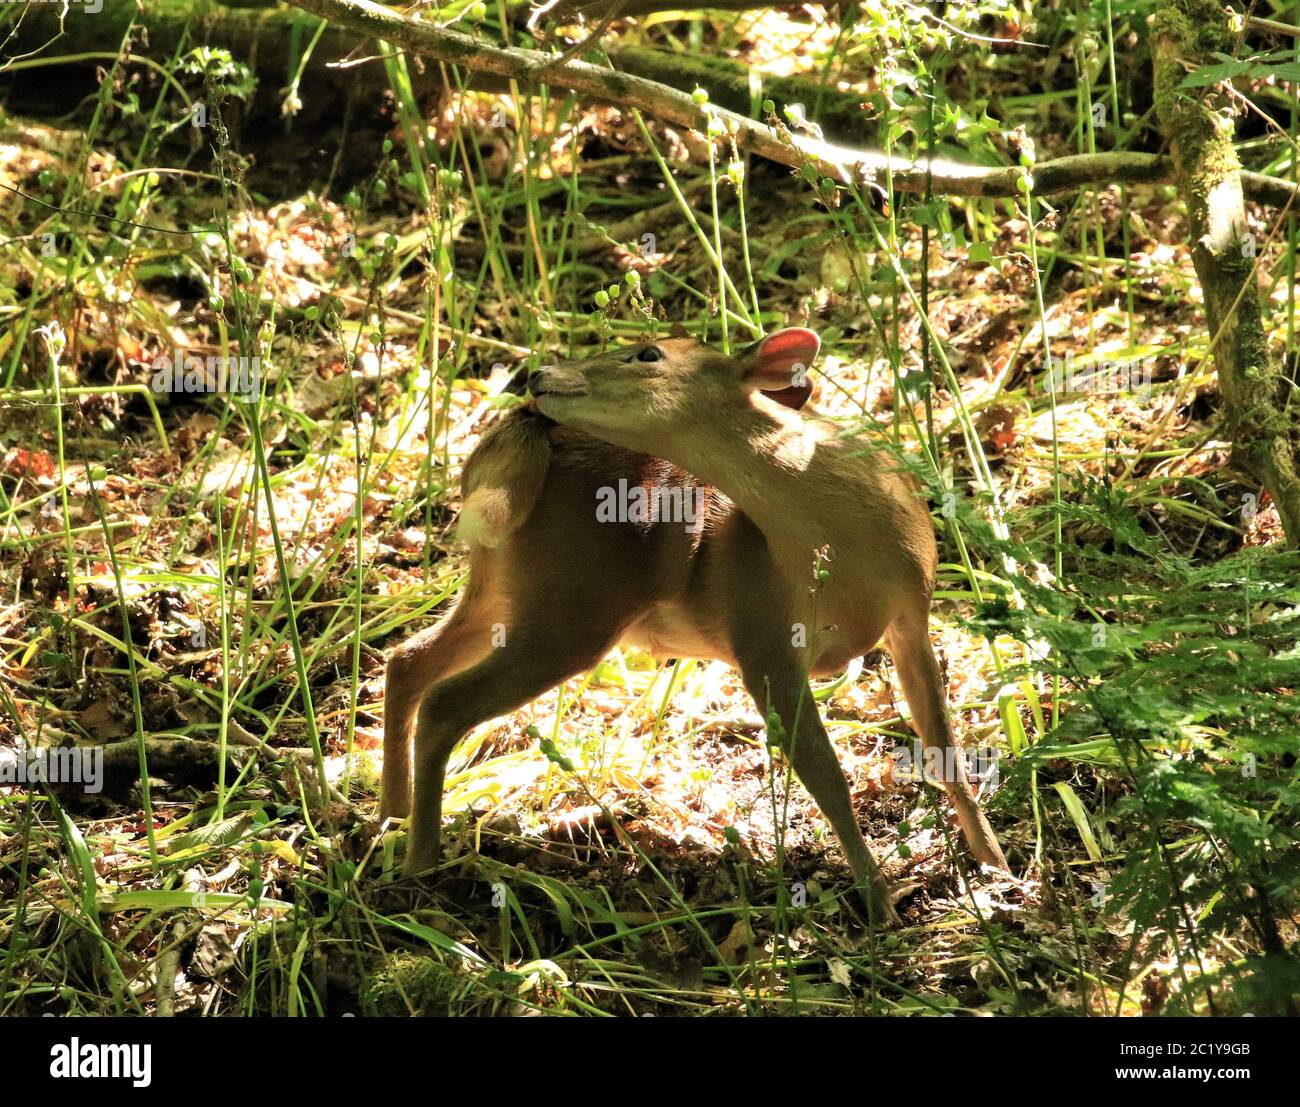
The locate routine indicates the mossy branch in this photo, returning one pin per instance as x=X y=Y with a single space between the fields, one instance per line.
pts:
x=1263 y=420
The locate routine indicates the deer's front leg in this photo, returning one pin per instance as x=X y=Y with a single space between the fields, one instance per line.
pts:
x=918 y=670
x=775 y=677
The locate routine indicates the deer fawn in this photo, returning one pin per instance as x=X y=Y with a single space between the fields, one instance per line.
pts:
x=776 y=493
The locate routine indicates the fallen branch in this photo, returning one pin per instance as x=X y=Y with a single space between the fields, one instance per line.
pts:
x=775 y=144
x=568 y=9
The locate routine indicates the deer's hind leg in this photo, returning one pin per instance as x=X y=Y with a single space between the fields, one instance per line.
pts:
x=456 y=642
x=548 y=642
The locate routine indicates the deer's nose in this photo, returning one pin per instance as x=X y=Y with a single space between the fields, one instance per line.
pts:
x=537 y=379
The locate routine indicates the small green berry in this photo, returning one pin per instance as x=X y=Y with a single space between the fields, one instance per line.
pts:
x=602 y=299
x=769 y=107
x=700 y=96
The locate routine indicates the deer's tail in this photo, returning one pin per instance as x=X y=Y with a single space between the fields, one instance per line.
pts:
x=503 y=478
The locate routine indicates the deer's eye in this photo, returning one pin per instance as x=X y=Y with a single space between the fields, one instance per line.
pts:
x=650 y=353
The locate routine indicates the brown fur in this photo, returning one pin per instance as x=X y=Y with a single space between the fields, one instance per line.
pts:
x=563 y=587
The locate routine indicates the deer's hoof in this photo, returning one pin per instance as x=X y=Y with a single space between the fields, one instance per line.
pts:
x=879 y=903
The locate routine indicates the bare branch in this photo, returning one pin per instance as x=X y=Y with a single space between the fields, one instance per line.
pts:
x=843 y=163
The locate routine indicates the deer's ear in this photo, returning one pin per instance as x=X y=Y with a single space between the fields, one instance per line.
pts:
x=793 y=397
x=780 y=362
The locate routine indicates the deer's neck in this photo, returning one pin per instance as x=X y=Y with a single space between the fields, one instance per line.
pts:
x=772 y=464
x=821 y=503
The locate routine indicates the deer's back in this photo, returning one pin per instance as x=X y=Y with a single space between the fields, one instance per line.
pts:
x=545 y=506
